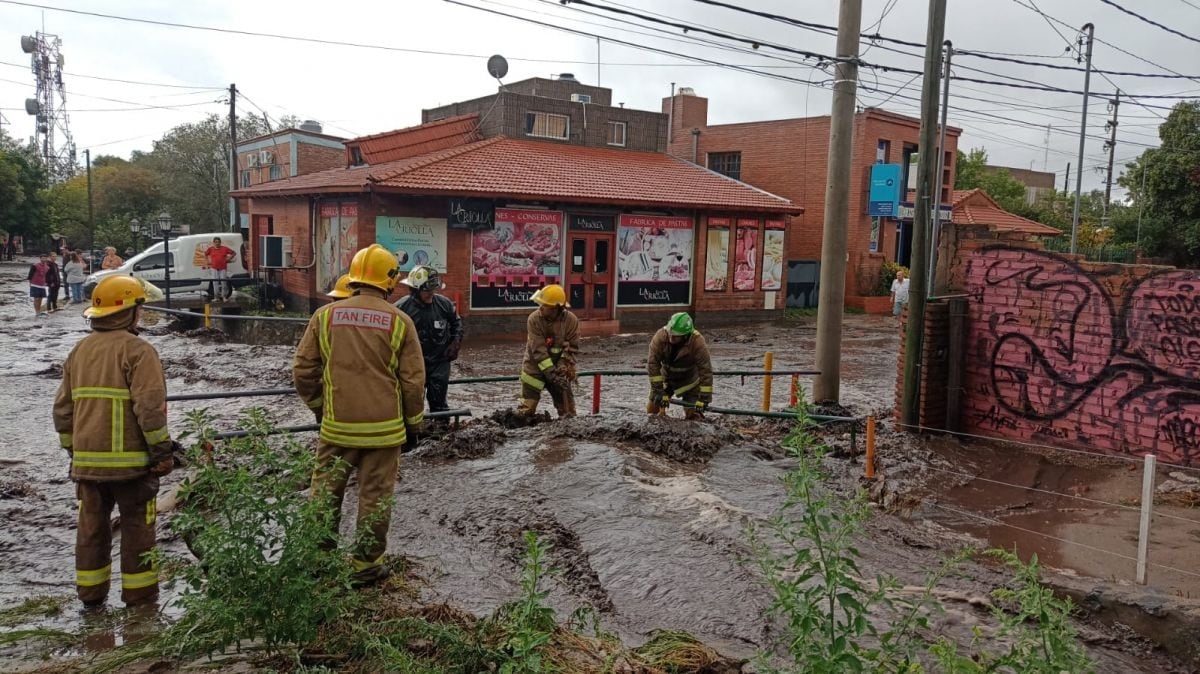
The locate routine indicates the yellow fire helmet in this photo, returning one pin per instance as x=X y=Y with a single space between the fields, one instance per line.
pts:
x=374 y=266
x=115 y=294
x=341 y=289
x=552 y=295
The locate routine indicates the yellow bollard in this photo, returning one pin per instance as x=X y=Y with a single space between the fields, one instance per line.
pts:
x=768 y=362
x=207 y=316
x=869 y=464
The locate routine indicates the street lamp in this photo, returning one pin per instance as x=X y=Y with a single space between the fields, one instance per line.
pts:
x=135 y=228
x=164 y=226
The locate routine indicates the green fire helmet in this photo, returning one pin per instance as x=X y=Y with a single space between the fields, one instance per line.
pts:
x=680 y=325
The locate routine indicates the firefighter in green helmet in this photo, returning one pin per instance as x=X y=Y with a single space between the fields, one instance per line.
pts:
x=679 y=366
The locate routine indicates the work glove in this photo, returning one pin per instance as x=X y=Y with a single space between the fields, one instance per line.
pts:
x=452 y=350
x=660 y=397
x=701 y=405
x=164 y=467
x=559 y=376
x=178 y=454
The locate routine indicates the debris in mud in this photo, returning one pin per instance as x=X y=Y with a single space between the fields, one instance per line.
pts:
x=18 y=489
x=1180 y=489
x=473 y=440
x=504 y=524
x=677 y=439
x=510 y=418
x=208 y=335
x=52 y=371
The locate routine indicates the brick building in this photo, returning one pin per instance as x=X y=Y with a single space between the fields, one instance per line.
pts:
x=789 y=157
x=507 y=193
x=288 y=153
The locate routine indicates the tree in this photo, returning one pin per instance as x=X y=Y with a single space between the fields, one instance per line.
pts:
x=973 y=172
x=191 y=163
x=23 y=178
x=1169 y=204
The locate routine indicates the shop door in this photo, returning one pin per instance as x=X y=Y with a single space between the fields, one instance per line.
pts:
x=590 y=275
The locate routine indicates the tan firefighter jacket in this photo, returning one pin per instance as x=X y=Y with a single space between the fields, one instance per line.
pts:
x=548 y=342
x=680 y=368
x=359 y=364
x=111 y=408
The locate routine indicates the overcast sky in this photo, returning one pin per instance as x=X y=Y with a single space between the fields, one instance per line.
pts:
x=356 y=91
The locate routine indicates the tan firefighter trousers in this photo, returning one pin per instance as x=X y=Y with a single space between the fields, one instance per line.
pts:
x=377 y=471
x=135 y=501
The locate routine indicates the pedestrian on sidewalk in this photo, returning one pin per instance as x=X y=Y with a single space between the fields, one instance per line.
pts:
x=53 y=282
x=438 y=326
x=679 y=365
x=217 y=258
x=111 y=417
x=899 y=293
x=38 y=286
x=11 y=249
x=552 y=340
x=75 y=273
x=358 y=367
x=111 y=259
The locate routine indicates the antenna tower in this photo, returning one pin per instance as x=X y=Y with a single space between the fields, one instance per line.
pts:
x=49 y=110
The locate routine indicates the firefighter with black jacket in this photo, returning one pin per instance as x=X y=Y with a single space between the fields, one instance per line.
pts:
x=111 y=417
x=438 y=326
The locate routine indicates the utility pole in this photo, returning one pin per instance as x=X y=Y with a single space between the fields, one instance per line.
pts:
x=1087 y=82
x=1111 y=146
x=233 y=164
x=936 y=217
x=832 y=299
x=1046 y=152
x=87 y=158
x=926 y=166
x=1067 y=180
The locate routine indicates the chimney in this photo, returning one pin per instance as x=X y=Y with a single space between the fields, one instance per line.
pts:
x=691 y=112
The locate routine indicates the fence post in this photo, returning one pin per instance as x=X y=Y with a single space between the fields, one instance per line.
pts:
x=869 y=465
x=595 y=394
x=207 y=316
x=768 y=362
x=1144 y=525
x=794 y=394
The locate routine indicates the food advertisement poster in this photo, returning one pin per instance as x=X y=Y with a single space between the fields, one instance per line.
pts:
x=654 y=259
x=716 y=267
x=745 y=258
x=337 y=241
x=414 y=241
x=520 y=254
x=772 y=264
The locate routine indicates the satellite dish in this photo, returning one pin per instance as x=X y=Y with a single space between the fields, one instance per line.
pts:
x=497 y=66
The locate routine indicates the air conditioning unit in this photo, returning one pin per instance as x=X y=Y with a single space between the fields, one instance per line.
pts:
x=252 y=161
x=581 y=98
x=266 y=158
x=276 y=251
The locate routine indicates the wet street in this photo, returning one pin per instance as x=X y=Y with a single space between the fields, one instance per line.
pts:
x=650 y=541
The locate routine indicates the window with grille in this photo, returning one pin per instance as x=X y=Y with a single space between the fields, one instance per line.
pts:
x=616 y=133
x=546 y=125
x=726 y=163
x=276 y=172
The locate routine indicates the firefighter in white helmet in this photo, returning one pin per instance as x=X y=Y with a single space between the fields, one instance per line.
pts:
x=439 y=328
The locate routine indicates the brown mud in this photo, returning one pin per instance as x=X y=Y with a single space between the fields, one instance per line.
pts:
x=648 y=516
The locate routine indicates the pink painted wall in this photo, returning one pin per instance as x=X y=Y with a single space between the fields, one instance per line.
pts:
x=1095 y=356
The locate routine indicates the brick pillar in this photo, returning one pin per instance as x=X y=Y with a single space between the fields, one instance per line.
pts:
x=934 y=364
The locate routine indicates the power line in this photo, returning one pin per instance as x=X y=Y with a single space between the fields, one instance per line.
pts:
x=1152 y=22
x=112 y=79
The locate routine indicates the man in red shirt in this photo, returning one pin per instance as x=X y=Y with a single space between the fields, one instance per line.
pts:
x=218 y=258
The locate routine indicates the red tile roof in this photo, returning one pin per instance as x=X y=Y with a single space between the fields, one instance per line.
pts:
x=509 y=168
x=975 y=207
x=417 y=140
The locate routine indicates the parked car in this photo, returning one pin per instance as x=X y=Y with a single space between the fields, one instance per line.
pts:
x=188 y=274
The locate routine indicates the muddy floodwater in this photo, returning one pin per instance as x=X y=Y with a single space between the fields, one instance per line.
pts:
x=647 y=517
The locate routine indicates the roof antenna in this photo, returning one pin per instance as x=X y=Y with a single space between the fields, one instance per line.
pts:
x=497 y=67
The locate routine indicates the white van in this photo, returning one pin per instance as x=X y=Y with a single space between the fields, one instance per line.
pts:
x=188 y=274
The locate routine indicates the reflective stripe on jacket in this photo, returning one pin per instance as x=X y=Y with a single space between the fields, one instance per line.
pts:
x=111 y=409
x=360 y=363
x=547 y=342
x=680 y=368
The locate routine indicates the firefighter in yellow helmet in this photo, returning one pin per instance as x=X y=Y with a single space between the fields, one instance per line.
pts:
x=341 y=289
x=552 y=340
x=679 y=365
x=111 y=417
x=359 y=369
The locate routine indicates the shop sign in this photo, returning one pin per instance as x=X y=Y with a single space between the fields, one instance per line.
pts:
x=470 y=214
x=521 y=253
x=654 y=259
x=593 y=223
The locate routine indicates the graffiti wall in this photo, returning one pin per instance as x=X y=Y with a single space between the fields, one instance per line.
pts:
x=1103 y=357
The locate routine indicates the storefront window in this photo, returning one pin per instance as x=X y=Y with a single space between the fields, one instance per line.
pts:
x=521 y=253
x=655 y=260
